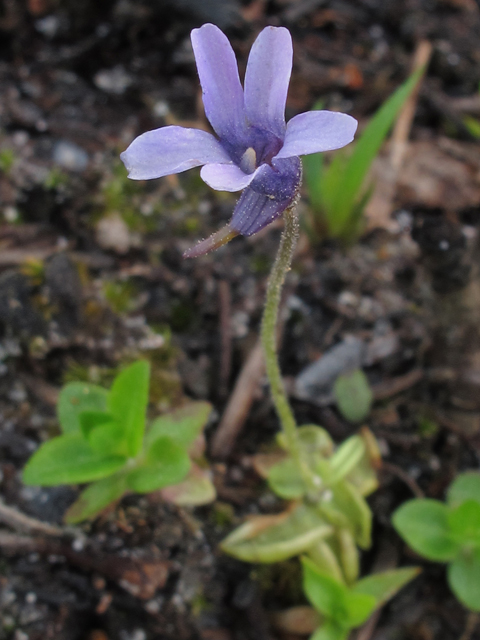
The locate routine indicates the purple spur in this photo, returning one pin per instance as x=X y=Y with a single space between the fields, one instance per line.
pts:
x=256 y=152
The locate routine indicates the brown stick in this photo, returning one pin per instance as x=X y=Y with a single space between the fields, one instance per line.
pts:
x=20 y=522
x=225 y=304
x=239 y=404
x=380 y=206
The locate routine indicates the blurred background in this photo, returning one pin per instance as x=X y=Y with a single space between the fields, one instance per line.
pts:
x=91 y=278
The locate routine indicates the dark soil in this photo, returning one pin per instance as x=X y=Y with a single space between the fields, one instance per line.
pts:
x=92 y=277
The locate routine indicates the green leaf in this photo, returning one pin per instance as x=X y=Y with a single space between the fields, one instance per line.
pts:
x=108 y=439
x=356 y=510
x=166 y=463
x=326 y=594
x=197 y=489
x=183 y=425
x=127 y=402
x=464 y=522
x=330 y=631
x=346 y=457
x=96 y=497
x=383 y=586
x=285 y=480
x=423 y=524
x=464 y=579
x=353 y=395
x=333 y=599
x=273 y=538
x=75 y=398
x=69 y=459
x=364 y=475
x=465 y=487
x=348 y=553
x=322 y=554
x=103 y=434
x=365 y=150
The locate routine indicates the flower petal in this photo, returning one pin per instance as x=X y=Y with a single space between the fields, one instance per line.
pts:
x=268 y=195
x=316 y=131
x=267 y=78
x=169 y=150
x=226 y=177
x=222 y=91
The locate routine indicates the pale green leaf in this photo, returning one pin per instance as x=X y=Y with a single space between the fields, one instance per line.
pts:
x=285 y=480
x=353 y=395
x=330 y=631
x=356 y=511
x=167 y=463
x=197 y=489
x=383 y=586
x=182 y=425
x=127 y=402
x=75 y=398
x=346 y=457
x=464 y=522
x=69 y=459
x=423 y=524
x=464 y=579
x=96 y=497
x=466 y=486
x=333 y=599
x=277 y=537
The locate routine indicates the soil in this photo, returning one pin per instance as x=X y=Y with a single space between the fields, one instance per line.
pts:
x=91 y=277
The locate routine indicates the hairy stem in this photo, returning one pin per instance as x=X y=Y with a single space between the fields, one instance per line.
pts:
x=269 y=338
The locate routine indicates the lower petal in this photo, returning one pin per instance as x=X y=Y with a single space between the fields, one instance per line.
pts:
x=169 y=150
x=226 y=177
x=271 y=192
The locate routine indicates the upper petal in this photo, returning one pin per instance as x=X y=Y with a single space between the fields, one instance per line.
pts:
x=316 y=131
x=169 y=150
x=222 y=91
x=268 y=195
x=267 y=78
x=226 y=177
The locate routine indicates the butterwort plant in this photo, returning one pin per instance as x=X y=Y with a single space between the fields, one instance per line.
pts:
x=255 y=152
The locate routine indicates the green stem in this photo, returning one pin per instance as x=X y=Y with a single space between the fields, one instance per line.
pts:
x=269 y=339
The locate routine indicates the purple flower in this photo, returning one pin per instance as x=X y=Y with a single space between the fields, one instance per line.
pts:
x=256 y=151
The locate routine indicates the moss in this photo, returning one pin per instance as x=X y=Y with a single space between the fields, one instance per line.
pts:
x=7 y=160
x=56 y=179
x=34 y=270
x=120 y=295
